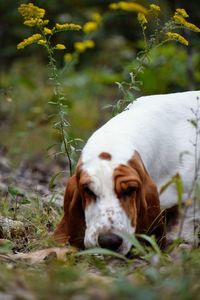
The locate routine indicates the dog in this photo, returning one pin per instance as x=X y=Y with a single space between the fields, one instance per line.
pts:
x=122 y=168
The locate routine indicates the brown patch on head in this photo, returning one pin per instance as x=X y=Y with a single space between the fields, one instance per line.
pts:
x=105 y=155
x=139 y=198
x=127 y=184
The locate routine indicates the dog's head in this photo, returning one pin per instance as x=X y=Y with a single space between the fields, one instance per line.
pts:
x=105 y=199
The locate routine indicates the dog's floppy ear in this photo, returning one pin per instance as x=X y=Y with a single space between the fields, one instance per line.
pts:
x=150 y=219
x=72 y=226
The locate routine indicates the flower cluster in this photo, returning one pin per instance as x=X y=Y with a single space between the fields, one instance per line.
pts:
x=30 y=11
x=66 y=26
x=92 y=25
x=33 y=16
x=42 y=42
x=142 y=19
x=47 y=31
x=129 y=6
x=180 y=19
x=177 y=37
x=95 y=16
x=30 y=40
x=60 y=47
x=82 y=46
x=181 y=12
x=68 y=57
x=36 y=22
x=154 y=8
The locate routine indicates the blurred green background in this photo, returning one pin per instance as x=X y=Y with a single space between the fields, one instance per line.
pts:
x=25 y=125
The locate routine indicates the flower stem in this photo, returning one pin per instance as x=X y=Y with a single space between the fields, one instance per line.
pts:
x=59 y=98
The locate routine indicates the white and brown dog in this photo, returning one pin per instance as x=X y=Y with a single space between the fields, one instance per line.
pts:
x=122 y=168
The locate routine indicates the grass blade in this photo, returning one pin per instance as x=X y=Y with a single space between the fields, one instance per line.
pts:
x=102 y=251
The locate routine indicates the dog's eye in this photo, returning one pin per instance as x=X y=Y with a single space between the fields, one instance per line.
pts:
x=129 y=191
x=89 y=193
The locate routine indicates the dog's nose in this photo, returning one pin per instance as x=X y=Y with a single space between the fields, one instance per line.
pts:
x=110 y=241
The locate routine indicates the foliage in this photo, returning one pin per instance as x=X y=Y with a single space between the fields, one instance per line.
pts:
x=148 y=273
x=117 y=42
x=162 y=33
x=34 y=17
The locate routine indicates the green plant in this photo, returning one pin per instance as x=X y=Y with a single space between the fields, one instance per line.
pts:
x=154 y=36
x=34 y=17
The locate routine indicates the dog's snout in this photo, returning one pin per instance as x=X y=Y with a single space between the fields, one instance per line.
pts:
x=110 y=241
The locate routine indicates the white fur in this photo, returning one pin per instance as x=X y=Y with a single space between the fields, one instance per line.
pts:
x=159 y=128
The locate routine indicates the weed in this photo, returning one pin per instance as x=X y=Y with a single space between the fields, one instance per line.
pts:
x=163 y=32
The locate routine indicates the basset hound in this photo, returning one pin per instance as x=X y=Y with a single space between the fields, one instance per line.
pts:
x=124 y=164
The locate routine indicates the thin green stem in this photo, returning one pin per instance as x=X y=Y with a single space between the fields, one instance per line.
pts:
x=59 y=97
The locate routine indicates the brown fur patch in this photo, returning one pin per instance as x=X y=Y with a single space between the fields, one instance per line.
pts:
x=124 y=178
x=143 y=206
x=105 y=155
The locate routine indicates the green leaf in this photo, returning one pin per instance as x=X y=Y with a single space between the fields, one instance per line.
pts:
x=179 y=188
x=131 y=238
x=52 y=103
x=177 y=180
x=151 y=240
x=52 y=146
x=6 y=245
x=165 y=186
x=53 y=179
x=102 y=251
x=25 y=201
x=13 y=191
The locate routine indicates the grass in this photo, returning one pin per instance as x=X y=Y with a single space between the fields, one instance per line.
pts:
x=172 y=275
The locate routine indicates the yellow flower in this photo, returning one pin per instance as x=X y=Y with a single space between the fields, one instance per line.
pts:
x=180 y=20
x=142 y=19
x=89 y=43
x=192 y=27
x=113 y=6
x=129 y=6
x=30 y=40
x=30 y=11
x=36 y=22
x=68 y=26
x=96 y=17
x=80 y=46
x=155 y=8
x=68 y=57
x=60 y=47
x=41 y=42
x=182 y=12
x=90 y=26
x=47 y=31
x=177 y=37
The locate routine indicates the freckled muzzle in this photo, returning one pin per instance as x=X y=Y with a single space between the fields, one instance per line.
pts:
x=110 y=241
